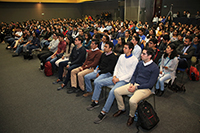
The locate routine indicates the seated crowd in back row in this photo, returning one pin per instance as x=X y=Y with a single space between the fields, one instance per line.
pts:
x=129 y=56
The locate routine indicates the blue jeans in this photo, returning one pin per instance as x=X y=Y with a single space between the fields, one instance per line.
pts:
x=19 y=49
x=111 y=96
x=44 y=42
x=161 y=81
x=68 y=76
x=52 y=61
x=31 y=47
x=92 y=75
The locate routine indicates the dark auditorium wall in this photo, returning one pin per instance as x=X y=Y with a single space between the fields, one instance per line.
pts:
x=96 y=8
x=24 y=11
x=181 y=5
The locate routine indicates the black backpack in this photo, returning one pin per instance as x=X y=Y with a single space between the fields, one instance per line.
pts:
x=147 y=117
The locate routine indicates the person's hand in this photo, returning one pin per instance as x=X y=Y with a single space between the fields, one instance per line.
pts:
x=131 y=88
x=185 y=54
x=160 y=72
x=165 y=67
x=67 y=66
x=97 y=75
x=53 y=56
x=63 y=57
x=80 y=68
x=115 y=80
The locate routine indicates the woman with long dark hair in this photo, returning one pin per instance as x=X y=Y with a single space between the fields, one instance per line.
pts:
x=69 y=46
x=168 y=65
x=87 y=41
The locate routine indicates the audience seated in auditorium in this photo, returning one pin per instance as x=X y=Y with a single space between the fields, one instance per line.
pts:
x=69 y=46
x=185 y=52
x=142 y=38
x=52 y=48
x=123 y=71
x=196 y=54
x=17 y=36
x=27 y=48
x=140 y=85
x=118 y=48
x=105 y=69
x=164 y=43
x=91 y=62
x=121 y=33
x=76 y=59
x=104 y=40
x=87 y=41
x=168 y=65
x=137 y=49
x=179 y=41
x=157 y=54
x=59 y=52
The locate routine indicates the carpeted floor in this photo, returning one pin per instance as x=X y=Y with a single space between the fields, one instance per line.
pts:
x=30 y=103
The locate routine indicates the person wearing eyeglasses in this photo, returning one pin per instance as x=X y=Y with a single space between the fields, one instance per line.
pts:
x=140 y=85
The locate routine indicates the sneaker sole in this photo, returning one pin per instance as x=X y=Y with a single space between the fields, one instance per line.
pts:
x=91 y=108
x=99 y=121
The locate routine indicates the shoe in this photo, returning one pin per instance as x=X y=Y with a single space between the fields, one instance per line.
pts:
x=92 y=106
x=118 y=113
x=130 y=121
x=30 y=57
x=80 y=93
x=100 y=118
x=61 y=87
x=157 y=91
x=88 y=94
x=57 y=81
x=15 y=55
x=72 y=90
x=161 y=93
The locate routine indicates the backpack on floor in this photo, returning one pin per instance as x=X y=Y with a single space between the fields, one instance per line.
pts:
x=48 y=69
x=193 y=73
x=176 y=86
x=147 y=117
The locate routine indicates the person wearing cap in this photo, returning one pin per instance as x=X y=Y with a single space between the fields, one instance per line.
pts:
x=59 y=52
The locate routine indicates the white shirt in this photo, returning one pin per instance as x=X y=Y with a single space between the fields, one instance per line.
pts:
x=19 y=33
x=53 y=45
x=125 y=67
x=137 y=51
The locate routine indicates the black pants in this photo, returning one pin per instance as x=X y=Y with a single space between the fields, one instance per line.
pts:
x=182 y=64
x=43 y=56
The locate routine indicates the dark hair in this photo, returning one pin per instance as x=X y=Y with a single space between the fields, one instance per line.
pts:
x=107 y=37
x=174 y=53
x=96 y=41
x=80 y=38
x=105 y=31
x=70 y=41
x=130 y=45
x=189 y=37
x=111 y=45
x=123 y=40
x=150 y=51
x=89 y=37
x=166 y=37
x=154 y=40
x=128 y=32
x=137 y=38
x=61 y=35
